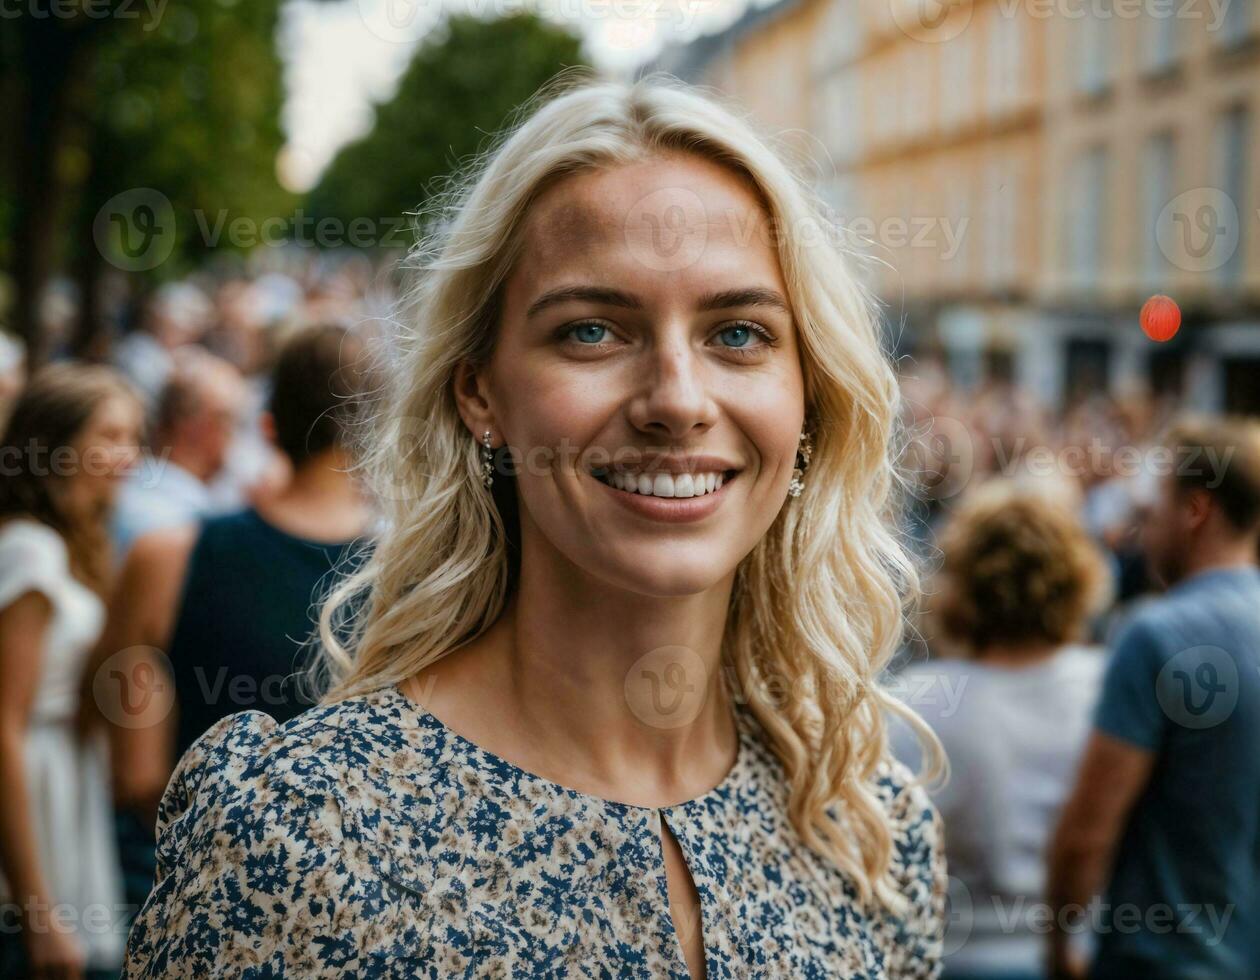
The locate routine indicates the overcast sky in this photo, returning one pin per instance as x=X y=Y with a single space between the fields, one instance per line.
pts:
x=343 y=55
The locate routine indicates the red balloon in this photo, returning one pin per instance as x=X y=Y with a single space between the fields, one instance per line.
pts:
x=1160 y=318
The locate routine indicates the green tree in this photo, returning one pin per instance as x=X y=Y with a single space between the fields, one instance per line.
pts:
x=181 y=97
x=462 y=86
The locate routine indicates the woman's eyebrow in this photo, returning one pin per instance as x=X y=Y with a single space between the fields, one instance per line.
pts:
x=719 y=300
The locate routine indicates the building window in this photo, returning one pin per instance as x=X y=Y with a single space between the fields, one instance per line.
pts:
x=999 y=223
x=1162 y=40
x=1231 y=153
x=1005 y=62
x=1159 y=162
x=956 y=84
x=1239 y=23
x=1086 y=218
x=1095 y=49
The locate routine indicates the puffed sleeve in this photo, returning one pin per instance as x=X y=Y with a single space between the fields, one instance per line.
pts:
x=32 y=558
x=249 y=865
x=917 y=936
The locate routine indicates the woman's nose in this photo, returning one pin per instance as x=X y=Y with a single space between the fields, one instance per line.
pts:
x=674 y=398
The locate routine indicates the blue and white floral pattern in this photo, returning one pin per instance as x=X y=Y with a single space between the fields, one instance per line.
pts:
x=366 y=839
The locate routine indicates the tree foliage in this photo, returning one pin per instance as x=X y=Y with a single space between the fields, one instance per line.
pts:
x=461 y=87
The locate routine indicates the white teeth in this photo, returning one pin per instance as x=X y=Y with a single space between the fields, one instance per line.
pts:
x=666 y=484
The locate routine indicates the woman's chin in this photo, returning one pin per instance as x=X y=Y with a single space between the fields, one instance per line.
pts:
x=664 y=576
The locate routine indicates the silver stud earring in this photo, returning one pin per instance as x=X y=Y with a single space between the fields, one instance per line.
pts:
x=804 y=451
x=487 y=461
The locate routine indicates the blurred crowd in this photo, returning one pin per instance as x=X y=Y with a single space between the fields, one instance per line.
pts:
x=169 y=515
x=164 y=575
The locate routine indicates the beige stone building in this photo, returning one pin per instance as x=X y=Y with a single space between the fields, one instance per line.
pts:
x=1025 y=173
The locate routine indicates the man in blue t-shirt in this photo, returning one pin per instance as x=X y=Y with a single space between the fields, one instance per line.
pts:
x=1164 y=822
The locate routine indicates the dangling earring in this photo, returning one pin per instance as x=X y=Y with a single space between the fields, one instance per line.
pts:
x=803 y=452
x=487 y=461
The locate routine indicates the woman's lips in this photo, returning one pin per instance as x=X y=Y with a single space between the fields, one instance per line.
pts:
x=669 y=510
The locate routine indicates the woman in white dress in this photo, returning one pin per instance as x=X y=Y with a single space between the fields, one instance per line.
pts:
x=72 y=433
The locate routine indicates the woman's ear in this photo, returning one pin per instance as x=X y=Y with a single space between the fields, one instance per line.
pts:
x=471 y=401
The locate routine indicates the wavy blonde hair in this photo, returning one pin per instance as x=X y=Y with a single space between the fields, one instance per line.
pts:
x=818 y=606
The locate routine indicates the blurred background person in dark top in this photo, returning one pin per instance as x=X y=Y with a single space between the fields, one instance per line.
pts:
x=231 y=599
x=1164 y=819
x=1019 y=582
x=193 y=424
x=71 y=436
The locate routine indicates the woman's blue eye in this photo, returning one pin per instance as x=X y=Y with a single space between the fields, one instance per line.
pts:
x=582 y=332
x=739 y=331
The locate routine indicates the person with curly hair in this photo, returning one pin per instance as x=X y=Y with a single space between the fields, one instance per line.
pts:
x=1011 y=702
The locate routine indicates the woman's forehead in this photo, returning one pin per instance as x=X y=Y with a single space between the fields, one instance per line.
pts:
x=647 y=230
x=659 y=196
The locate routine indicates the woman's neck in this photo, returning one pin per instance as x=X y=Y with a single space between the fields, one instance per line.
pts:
x=613 y=694
x=1014 y=656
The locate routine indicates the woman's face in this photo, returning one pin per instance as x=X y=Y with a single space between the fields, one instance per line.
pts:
x=646 y=331
x=105 y=449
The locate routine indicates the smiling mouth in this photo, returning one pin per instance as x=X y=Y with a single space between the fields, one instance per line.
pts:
x=666 y=485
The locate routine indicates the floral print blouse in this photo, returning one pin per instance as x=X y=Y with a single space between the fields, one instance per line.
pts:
x=366 y=839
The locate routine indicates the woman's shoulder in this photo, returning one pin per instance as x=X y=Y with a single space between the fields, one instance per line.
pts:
x=265 y=842
x=323 y=747
x=360 y=759
x=32 y=555
x=25 y=534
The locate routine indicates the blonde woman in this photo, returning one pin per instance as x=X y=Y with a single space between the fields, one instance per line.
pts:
x=607 y=704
